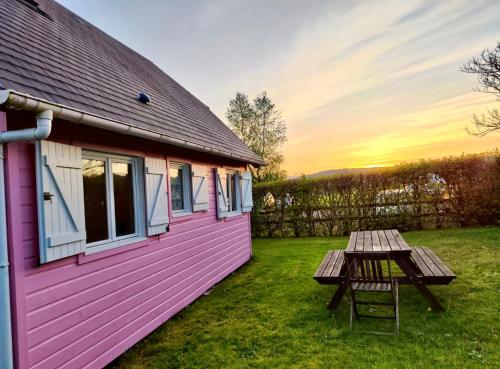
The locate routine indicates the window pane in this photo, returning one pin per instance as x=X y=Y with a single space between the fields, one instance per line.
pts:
x=234 y=203
x=231 y=183
x=124 y=198
x=94 y=192
x=177 y=188
x=229 y=179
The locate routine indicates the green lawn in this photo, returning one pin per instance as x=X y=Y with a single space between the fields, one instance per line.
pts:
x=272 y=314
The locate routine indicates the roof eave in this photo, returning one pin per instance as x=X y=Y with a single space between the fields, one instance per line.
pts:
x=16 y=100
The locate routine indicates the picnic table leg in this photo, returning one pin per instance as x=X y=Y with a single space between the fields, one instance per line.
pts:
x=419 y=285
x=335 y=301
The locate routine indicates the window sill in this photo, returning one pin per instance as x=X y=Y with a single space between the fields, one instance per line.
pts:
x=87 y=258
x=113 y=244
x=181 y=213
x=180 y=216
x=233 y=216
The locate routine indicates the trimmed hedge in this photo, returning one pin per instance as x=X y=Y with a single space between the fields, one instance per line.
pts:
x=451 y=192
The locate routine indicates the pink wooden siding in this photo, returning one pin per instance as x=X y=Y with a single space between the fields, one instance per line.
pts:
x=84 y=311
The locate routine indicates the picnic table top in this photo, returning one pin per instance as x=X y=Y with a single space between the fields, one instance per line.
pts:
x=376 y=241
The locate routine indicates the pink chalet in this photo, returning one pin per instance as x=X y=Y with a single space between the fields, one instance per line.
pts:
x=123 y=197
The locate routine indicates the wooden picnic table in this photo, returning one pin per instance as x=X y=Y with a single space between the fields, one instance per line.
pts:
x=420 y=265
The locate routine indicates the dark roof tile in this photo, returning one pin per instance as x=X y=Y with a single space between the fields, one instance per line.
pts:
x=68 y=61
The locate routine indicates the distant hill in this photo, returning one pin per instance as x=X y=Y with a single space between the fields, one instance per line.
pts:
x=331 y=172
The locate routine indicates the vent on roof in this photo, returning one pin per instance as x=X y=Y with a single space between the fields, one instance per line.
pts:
x=143 y=98
x=33 y=5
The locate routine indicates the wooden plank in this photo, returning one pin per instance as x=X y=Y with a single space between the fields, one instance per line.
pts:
x=366 y=264
x=444 y=269
x=331 y=264
x=324 y=263
x=400 y=240
x=359 y=241
x=430 y=264
x=338 y=265
x=384 y=243
x=367 y=245
x=393 y=244
x=352 y=241
x=361 y=268
x=420 y=263
x=379 y=270
x=376 y=241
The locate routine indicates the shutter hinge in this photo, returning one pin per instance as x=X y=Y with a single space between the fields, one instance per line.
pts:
x=47 y=196
x=6 y=265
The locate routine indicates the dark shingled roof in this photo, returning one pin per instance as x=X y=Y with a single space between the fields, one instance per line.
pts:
x=59 y=57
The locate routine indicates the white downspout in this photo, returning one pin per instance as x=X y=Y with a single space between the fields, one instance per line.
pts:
x=42 y=131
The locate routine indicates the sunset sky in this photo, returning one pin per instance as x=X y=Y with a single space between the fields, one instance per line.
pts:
x=359 y=83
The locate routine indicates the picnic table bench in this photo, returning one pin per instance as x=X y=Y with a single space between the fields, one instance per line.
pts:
x=421 y=267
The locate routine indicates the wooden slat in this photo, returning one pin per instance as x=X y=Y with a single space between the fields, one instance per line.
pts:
x=420 y=263
x=400 y=240
x=324 y=263
x=366 y=265
x=380 y=272
x=338 y=265
x=331 y=264
x=393 y=244
x=367 y=246
x=384 y=243
x=442 y=267
x=352 y=241
x=359 y=241
x=330 y=269
x=362 y=269
x=430 y=264
x=376 y=241
x=363 y=286
x=374 y=270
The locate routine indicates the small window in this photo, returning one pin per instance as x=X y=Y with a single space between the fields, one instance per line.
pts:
x=180 y=188
x=233 y=191
x=111 y=188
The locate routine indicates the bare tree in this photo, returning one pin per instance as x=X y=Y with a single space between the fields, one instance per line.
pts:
x=487 y=67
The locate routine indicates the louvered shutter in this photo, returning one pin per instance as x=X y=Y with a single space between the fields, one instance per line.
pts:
x=200 y=187
x=221 y=188
x=246 y=192
x=156 y=196
x=61 y=211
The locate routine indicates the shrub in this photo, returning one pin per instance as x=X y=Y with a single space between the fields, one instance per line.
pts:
x=450 y=192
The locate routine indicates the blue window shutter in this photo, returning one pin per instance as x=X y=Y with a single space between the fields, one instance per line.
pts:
x=221 y=188
x=156 y=196
x=246 y=192
x=61 y=212
x=200 y=187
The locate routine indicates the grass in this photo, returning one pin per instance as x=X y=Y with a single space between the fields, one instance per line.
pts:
x=272 y=314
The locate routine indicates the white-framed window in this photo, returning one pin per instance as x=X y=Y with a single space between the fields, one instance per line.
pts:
x=233 y=188
x=180 y=188
x=114 y=207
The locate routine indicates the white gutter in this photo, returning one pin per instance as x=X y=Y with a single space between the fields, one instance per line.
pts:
x=16 y=100
x=42 y=131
